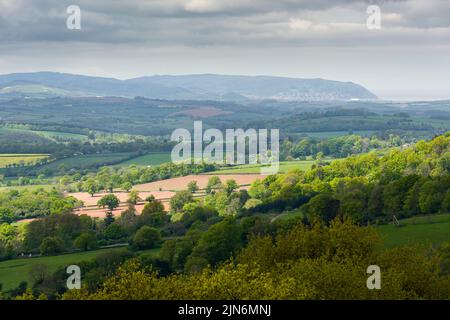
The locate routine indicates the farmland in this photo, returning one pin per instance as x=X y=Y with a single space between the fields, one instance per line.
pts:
x=180 y=183
x=53 y=135
x=20 y=159
x=285 y=166
x=86 y=161
x=162 y=190
x=151 y=159
x=433 y=229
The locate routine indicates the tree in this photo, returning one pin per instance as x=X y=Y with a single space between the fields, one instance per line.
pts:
x=192 y=186
x=178 y=201
x=109 y=218
x=6 y=215
x=230 y=186
x=152 y=207
x=133 y=197
x=91 y=186
x=146 y=237
x=51 y=245
x=323 y=207
x=213 y=184
x=127 y=186
x=114 y=231
x=86 y=241
x=111 y=201
x=219 y=243
x=128 y=219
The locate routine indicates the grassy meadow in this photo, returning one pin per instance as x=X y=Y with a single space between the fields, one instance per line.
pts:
x=12 y=272
x=285 y=166
x=432 y=229
x=20 y=159
x=150 y=159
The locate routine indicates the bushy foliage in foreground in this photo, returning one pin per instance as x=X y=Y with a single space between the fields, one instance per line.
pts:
x=304 y=263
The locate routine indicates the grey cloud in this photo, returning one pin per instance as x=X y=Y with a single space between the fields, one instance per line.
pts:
x=305 y=38
x=209 y=22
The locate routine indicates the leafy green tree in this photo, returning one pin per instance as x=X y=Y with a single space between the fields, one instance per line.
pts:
x=230 y=186
x=146 y=237
x=219 y=243
x=109 y=218
x=86 y=241
x=111 y=201
x=6 y=215
x=192 y=186
x=152 y=207
x=133 y=197
x=214 y=183
x=180 y=199
x=127 y=186
x=322 y=207
x=51 y=246
x=128 y=219
x=114 y=231
x=91 y=186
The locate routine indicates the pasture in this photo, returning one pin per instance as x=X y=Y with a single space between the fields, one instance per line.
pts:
x=285 y=166
x=12 y=272
x=20 y=159
x=432 y=229
x=88 y=161
x=150 y=159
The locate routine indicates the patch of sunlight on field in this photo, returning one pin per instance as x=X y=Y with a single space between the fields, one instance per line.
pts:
x=12 y=272
x=285 y=166
x=20 y=159
x=151 y=159
x=432 y=229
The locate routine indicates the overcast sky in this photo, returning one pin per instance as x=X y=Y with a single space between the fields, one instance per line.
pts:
x=408 y=58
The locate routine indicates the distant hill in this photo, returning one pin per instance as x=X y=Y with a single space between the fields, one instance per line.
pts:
x=189 y=87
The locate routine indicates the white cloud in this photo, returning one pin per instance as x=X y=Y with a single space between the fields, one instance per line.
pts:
x=299 y=24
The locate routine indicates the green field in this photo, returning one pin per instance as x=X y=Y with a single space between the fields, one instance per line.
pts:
x=54 y=135
x=60 y=135
x=46 y=187
x=433 y=229
x=151 y=159
x=12 y=272
x=88 y=160
x=20 y=159
x=334 y=134
x=285 y=166
x=289 y=215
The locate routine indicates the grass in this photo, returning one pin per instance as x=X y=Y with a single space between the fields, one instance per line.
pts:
x=289 y=215
x=432 y=229
x=12 y=272
x=334 y=134
x=46 y=187
x=60 y=135
x=88 y=160
x=25 y=159
x=54 y=135
x=285 y=166
x=151 y=159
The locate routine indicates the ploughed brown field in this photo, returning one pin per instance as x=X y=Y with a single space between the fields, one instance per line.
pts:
x=180 y=183
x=162 y=190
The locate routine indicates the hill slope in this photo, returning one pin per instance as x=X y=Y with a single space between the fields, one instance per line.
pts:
x=197 y=87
